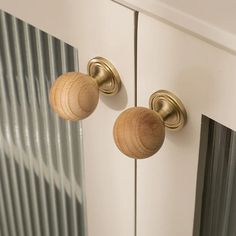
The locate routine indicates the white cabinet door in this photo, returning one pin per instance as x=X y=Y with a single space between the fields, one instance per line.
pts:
x=97 y=28
x=202 y=75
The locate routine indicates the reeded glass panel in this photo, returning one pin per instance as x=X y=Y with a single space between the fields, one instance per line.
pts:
x=216 y=191
x=41 y=164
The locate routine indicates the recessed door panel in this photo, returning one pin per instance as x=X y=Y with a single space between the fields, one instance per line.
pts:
x=216 y=186
x=42 y=179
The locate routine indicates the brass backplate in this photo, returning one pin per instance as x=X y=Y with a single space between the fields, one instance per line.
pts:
x=170 y=108
x=105 y=74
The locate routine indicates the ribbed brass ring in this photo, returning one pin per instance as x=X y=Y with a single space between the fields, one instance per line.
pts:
x=170 y=108
x=105 y=74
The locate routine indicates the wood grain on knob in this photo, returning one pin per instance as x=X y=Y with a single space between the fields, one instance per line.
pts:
x=139 y=132
x=74 y=96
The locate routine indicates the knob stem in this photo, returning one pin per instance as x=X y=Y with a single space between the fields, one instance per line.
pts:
x=165 y=111
x=101 y=77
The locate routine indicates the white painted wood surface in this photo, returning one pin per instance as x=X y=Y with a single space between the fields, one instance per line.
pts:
x=203 y=76
x=212 y=20
x=96 y=28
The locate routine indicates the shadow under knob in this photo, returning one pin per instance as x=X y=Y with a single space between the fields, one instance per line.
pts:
x=139 y=132
x=74 y=96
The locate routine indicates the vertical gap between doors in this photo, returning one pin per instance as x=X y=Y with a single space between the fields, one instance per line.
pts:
x=136 y=14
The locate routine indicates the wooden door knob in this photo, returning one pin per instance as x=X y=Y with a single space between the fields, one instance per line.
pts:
x=139 y=132
x=74 y=96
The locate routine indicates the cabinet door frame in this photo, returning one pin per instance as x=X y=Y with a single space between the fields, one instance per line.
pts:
x=202 y=75
x=96 y=28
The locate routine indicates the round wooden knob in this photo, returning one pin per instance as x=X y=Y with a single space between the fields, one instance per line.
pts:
x=74 y=96
x=139 y=132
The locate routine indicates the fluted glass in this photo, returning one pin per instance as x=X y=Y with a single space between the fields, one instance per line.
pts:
x=41 y=161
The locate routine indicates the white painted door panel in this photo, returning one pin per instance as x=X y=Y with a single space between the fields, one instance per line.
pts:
x=212 y=20
x=203 y=76
x=96 y=28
